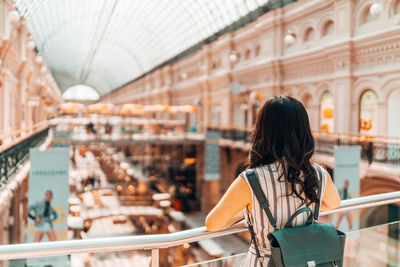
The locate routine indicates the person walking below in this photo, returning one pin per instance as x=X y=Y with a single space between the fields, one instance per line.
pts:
x=43 y=214
x=344 y=194
x=281 y=158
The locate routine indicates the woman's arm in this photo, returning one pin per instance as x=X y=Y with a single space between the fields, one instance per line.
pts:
x=32 y=210
x=331 y=198
x=229 y=208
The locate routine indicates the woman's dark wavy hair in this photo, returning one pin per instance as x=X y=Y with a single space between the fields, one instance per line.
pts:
x=282 y=134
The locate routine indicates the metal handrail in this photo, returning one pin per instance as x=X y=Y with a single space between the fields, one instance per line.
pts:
x=17 y=135
x=155 y=242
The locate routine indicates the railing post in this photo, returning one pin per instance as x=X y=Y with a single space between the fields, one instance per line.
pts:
x=155 y=257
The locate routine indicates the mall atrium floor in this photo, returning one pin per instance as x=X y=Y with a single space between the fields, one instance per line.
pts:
x=132 y=118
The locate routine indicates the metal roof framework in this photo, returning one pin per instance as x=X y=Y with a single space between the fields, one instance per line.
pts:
x=107 y=43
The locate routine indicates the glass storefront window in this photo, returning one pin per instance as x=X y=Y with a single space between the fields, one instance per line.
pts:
x=327 y=115
x=368 y=112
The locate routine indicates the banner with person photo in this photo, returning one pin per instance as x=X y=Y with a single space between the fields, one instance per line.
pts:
x=347 y=181
x=48 y=201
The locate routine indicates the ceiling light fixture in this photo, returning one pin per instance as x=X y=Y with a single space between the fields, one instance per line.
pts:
x=31 y=44
x=39 y=60
x=233 y=57
x=14 y=17
x=289 y=39
x=376 y=9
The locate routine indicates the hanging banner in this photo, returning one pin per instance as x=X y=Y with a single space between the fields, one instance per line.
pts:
x=48 y=201
x=212 y=155
x=347 y=181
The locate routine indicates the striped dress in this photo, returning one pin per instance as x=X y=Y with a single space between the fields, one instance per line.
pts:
x=282 y=206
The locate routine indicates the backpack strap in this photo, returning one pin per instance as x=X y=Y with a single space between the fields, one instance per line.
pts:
x=320 y=183
x=256 y=187
x=262 y=200
x=253 y=239
x=294 y=215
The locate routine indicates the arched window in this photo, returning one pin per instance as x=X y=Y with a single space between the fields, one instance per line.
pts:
x=328 y=28
x=309 y=34
x=257 y=51
x=247 y=54
x=396 y=7
x=368 y=112
x=216 y=115
x=307 y=101
x=366 y=16
x=327 y=115
x=240 y=114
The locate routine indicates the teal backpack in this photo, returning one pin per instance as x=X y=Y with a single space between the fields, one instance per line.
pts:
x=313 y=244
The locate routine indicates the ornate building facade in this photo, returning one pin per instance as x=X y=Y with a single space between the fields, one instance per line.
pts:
x=27 y=89
x=338 y=57
x=28 y=96
x=325 y=53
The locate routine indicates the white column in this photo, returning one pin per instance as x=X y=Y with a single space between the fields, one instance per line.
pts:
x=313 y=115
x=6 y=107
x=2 y=107
x=342 y=96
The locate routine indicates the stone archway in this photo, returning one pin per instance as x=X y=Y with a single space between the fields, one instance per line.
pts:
x=381 y=214
x=378 y=185
x=306 y=100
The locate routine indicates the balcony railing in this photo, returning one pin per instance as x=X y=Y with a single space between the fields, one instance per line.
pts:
x=236 y=134
x=374 y=149
x=139 y=138
x=10 y=138
x=156 y=242
x=16 y=150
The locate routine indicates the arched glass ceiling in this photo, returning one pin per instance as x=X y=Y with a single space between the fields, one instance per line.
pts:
x=81 y=93
x=107 y=43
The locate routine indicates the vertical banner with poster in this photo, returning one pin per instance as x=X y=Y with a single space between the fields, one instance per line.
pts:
x=48 y=201
x=212 y=156
x=347 y=181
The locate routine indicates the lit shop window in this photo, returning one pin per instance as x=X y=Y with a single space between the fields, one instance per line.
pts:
x=327 y=112
x=368 y=112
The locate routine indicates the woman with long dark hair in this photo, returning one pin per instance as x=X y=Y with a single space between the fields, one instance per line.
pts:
x=281 y=157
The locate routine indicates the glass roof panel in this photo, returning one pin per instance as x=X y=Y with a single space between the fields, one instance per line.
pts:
x=107 y=43
x=80 y=92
